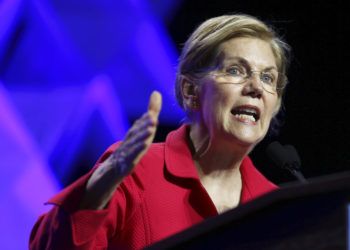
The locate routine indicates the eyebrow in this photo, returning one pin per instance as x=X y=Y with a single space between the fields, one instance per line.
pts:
x=244 y=61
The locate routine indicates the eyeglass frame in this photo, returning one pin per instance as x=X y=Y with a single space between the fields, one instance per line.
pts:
x=250 y=73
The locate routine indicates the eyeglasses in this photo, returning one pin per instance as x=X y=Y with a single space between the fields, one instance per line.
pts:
x=240 y=74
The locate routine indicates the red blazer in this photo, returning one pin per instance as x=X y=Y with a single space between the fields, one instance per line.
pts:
x=161 y=197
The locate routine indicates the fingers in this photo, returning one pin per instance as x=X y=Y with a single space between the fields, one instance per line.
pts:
x=154 y=107
x=141 y=134
x=140 y=125
x=126 y=157
x=139 y=137
x=155 y=103
x=150 y=118
x=134 y=151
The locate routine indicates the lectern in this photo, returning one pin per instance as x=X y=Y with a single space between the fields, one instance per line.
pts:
x=308 y=216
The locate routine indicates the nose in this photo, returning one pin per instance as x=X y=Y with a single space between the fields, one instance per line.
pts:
x=253 y=86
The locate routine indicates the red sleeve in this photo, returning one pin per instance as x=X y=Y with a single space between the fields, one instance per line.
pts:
x=67 y=227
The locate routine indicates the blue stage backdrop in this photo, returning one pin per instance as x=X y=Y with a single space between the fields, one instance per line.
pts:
x=73 y=74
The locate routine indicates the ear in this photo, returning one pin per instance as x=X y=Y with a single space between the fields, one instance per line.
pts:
x=189 y=92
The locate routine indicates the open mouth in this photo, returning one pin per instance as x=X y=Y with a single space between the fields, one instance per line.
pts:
x=246 y=113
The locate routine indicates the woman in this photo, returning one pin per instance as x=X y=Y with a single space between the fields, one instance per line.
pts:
x=230 y=82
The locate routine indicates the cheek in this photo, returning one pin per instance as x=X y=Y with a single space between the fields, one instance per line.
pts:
x=215 y=104
x=221 y=104
x=278 y=106
x=273 y=108
x=211 y=97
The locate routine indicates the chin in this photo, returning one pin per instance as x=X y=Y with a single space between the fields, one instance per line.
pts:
x=246 y=138
x=248 y=142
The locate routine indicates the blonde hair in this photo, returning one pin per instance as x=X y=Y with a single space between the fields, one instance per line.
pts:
x=200 y=49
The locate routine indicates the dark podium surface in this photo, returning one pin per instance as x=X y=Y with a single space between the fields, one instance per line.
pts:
x=297 y=216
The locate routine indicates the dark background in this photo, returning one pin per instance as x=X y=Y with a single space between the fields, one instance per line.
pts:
x=316 y=102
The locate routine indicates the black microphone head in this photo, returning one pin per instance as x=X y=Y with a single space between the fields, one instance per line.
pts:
x=277 y=154
x=286 y=157
x=293 y=155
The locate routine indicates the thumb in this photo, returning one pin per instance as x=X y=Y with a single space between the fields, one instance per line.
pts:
x=155 y=103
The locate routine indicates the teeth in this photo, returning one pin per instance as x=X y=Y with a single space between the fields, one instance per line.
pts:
x=245 y=117
x=246 y=113
x=249 y=110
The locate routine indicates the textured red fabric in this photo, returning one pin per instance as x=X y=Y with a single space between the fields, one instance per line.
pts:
x=161 y=197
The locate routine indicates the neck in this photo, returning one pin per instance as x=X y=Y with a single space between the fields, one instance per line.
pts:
x=214 y=156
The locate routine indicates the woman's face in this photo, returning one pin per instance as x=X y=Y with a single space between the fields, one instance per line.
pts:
x=239 y=112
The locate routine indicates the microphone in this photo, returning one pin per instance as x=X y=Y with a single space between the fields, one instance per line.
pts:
x=287 y=158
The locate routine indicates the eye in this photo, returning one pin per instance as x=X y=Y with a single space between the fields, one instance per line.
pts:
x=236 y=71
x=268 y=78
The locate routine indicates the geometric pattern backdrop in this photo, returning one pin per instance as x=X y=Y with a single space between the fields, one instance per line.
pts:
x=73 y=74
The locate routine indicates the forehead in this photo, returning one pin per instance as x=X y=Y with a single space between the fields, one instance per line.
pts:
x=256 y=51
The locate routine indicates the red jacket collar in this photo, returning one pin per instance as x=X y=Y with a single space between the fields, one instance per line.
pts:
x=178 y=157
x=179 y=162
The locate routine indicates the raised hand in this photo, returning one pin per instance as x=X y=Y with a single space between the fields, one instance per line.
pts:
x=107 y=177
x=138 y=138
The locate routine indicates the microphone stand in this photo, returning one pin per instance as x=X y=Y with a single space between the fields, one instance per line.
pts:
x=294 y=170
